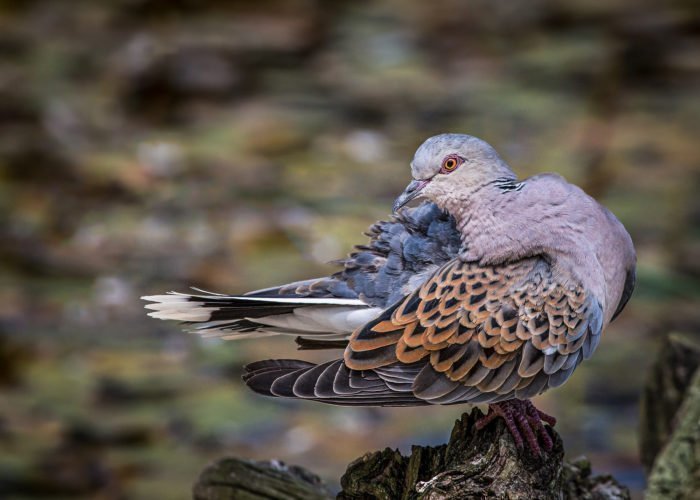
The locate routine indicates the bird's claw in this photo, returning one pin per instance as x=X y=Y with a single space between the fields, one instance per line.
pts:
x=524 y=422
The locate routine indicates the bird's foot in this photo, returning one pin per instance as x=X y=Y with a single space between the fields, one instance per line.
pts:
x=524 y=422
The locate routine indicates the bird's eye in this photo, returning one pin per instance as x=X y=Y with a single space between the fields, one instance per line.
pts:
x=450 y=163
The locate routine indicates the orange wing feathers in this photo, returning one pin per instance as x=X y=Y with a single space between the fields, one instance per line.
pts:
x=502 y=329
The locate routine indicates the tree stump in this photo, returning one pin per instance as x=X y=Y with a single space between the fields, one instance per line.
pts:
x=473 y=464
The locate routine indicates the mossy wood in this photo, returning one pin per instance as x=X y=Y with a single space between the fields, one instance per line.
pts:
x=671 y=421
x=665 y=391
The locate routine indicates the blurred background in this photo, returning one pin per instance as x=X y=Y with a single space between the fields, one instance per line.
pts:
x=150 y=145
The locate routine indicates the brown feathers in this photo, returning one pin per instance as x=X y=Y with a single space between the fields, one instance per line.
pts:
x=499 y=329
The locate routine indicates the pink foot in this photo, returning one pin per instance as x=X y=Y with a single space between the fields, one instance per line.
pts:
x=522 y=420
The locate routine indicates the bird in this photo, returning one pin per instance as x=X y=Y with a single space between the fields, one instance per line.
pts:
x=481 y=288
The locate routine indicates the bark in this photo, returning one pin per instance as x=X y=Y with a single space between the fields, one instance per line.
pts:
x=473 y=464
x=233 y=478
x=671 y=421
x=664 y=393
x=676 y=472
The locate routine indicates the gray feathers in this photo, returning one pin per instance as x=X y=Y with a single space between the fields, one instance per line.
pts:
x=331 y=382
x=418 y=240
x=398 y=258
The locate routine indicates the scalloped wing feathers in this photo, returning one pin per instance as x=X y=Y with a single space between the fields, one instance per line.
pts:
x=484 y=333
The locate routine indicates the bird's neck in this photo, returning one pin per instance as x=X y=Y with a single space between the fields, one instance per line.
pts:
x=473 y=208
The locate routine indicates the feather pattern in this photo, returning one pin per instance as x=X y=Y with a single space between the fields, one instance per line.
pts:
x=331 y=382
x=236 y=316
x=503 y=330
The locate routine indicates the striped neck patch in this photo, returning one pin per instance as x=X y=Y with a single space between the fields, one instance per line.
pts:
x=506 y=185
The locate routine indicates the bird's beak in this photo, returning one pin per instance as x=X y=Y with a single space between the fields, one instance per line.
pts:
x=412 y=191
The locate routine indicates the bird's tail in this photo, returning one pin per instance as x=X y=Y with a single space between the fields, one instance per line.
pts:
x=332 y=382
x=241 y=316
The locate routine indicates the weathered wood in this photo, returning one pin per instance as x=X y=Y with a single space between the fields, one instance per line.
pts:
x=579 y=483
x=664 y=392
x=233 y=478
x=475 y=464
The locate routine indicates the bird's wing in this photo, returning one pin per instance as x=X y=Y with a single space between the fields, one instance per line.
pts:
x=400 y=255
x=628 y=288
x=323 y=312
x=483 y=333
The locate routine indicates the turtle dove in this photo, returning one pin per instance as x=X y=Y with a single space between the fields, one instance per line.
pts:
x=493 y=290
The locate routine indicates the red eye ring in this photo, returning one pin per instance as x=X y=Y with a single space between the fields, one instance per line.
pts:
x=450 y=163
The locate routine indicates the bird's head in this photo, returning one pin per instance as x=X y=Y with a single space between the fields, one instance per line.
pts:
x=448 y=166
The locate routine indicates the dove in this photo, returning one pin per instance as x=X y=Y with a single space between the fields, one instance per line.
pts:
x=491 y=290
